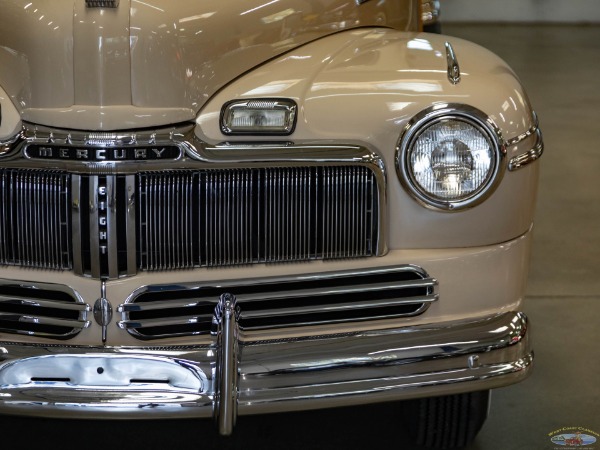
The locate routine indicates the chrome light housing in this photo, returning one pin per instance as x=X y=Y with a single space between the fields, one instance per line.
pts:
x=450 y=157
x=259 y=116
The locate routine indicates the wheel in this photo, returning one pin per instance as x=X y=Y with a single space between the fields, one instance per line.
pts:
x=452 y=421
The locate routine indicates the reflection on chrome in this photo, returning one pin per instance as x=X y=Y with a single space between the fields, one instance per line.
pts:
x=271 y=376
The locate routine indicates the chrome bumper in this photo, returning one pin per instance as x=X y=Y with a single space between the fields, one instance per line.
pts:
x=236 y=376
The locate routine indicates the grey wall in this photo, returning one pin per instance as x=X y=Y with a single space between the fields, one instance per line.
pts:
x=550 y=11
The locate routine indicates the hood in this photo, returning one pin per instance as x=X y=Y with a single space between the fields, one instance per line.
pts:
x=155 y=62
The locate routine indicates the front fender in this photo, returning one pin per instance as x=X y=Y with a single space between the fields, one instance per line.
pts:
x=365 y=86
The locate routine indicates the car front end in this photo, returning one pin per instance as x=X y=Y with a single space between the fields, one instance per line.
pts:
x=313 y=209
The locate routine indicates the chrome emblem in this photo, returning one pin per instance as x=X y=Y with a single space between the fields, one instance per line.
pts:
x=103 y=312
x=102 y=3
x=102 y=154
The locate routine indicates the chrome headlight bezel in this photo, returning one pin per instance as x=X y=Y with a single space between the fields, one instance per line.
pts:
x=287 y=107
x=434 y=115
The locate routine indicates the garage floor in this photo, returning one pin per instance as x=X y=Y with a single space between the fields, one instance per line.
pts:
x=560 y=67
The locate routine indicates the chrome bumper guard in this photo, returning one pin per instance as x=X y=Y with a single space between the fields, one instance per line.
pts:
x=237 y=376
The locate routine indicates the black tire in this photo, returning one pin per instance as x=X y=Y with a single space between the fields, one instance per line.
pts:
x=447 y=422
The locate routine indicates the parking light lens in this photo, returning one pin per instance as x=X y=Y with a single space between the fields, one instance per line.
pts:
x=261 y=116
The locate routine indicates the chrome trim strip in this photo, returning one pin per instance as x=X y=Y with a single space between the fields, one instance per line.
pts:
x=76 y=223
x=286 y=374
x=25 y=318
x=130 y=225
x=453 y=67
x=133 y=324
x=357 y=288
x=81 y=307
x=520 y=138
x=528 y=157
x=276 y=312
x=143 y=306
x=111 y=227
x=35 y=286
x=306 y=278
x=195 y=153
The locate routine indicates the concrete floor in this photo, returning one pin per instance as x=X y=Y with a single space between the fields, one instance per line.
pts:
x=560 y=67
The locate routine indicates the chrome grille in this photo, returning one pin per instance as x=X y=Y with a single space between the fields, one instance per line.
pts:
x=109 y=226
x=35 y=226
x=309 y=300
x=241 y=216
x=40 y=310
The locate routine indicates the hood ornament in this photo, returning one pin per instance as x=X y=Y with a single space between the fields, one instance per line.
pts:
x=102 y=3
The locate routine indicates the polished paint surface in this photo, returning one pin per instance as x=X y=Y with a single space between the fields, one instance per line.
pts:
x=149 y=63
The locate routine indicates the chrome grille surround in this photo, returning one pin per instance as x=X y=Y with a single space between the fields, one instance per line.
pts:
x=165 y=311
x=41 y=309
x=110 y=199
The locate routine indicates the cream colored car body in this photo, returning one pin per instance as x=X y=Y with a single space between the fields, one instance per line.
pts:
x=359 y=74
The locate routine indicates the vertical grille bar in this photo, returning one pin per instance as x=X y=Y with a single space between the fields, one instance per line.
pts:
x=242 y=216
x=35 y=219
x=288 y=219
x=349 y=212
x=130 y=196
x=4 y=208
x=228 y=212
x=111 y=227
x=166 y=203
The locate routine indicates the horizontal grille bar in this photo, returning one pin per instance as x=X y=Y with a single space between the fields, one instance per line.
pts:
x=40 y=311
x=35 y=224
x=243 y=216
x=163 y=311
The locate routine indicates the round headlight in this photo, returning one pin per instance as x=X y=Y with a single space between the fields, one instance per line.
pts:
x=449 y=158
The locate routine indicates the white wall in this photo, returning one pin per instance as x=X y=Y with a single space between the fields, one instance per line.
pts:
x=551 y=11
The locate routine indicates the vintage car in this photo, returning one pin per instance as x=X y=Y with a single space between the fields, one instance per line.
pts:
x=217 y=208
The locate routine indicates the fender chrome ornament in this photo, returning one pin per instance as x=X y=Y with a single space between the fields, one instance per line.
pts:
x=453 y=67
x=102 y=3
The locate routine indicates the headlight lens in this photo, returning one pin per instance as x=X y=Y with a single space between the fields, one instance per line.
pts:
x=260 y=116
x=449 y=160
